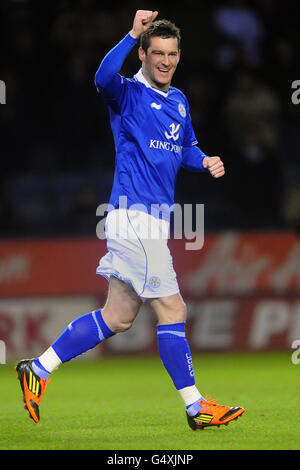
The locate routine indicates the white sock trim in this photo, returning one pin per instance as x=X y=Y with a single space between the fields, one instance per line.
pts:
x=50 y=360
x=189 y=394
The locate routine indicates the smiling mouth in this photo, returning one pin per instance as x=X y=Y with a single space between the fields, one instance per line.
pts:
x=163 y=70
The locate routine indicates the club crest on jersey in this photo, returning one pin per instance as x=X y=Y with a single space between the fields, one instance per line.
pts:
x=181 y=109
x=154 y=282
x=174 y=134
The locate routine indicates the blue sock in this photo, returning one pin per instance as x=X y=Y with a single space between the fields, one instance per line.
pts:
x=194 y=408
x=82 y=334
x=175 y=354
x=39 y=369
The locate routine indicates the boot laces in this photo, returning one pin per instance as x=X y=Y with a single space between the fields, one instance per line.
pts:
x=209 y=401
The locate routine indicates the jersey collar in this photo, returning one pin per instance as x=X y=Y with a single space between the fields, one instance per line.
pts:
x=140 y=78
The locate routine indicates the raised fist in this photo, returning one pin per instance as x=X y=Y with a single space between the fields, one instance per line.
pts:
x=142 y=21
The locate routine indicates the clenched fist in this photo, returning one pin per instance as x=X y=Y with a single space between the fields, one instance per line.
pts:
x=214 y=165
x=142 y=21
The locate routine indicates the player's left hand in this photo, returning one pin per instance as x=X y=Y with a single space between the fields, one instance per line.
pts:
x=214 y=165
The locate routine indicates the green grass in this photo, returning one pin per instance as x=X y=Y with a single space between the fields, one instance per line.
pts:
x=129 y=403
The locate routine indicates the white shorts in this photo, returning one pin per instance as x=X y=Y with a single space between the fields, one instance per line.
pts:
x=138 y=253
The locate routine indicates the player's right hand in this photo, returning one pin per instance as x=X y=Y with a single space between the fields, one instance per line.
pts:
x=142 y=21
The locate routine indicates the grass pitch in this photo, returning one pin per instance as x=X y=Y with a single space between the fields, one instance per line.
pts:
x=128 y=403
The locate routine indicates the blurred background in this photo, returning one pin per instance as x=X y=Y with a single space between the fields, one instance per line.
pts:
x=239 y=60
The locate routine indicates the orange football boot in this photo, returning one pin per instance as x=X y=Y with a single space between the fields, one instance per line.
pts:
x=33 y=388
x=212 y=414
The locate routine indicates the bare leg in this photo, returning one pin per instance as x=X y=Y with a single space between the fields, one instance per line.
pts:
x=170 y=309
x=121 y=307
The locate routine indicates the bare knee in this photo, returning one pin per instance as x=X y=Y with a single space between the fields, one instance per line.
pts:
x=170 y=309
x=118 y=321
x=121 y=307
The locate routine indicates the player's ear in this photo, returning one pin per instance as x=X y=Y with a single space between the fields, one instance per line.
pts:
x=142 y=54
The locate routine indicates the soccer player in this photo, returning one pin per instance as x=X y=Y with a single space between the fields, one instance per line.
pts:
x=154 y=137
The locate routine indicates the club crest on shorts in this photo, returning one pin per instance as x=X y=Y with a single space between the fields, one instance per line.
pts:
x=181 y=109
x=154 y=282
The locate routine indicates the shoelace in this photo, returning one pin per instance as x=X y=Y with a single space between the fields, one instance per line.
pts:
x=209 y=401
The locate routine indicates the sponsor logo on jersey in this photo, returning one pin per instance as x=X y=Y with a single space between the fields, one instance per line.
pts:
x=169 y=146
x=163 y=145
x=174 y=134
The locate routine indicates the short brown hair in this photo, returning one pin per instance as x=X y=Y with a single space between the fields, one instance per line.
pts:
x=160 y=28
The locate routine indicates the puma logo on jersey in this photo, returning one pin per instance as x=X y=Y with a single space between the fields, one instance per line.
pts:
x=174 y=134
x=155 y=105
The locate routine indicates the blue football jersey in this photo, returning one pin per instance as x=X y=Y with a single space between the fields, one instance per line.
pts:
x=151 y=129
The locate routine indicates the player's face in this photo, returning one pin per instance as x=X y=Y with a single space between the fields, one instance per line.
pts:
x=160 y=61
